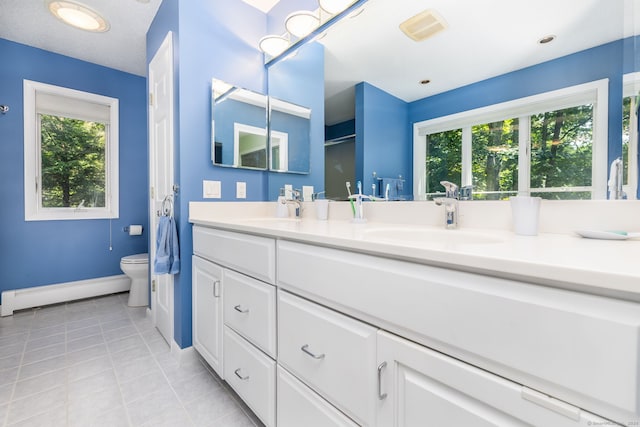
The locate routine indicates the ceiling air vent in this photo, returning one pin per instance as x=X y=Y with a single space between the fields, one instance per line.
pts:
x=423 y=25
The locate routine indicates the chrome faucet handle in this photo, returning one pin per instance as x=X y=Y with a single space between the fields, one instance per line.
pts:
x=451 y=189
x=466 y=192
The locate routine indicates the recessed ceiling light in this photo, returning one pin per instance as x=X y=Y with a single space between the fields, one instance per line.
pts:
x=79 y=16
x=547 y=39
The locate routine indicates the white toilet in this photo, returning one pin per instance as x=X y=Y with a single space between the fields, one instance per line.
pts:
x=137 y=268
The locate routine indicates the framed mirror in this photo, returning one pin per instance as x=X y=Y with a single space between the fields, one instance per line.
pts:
x=238 y=127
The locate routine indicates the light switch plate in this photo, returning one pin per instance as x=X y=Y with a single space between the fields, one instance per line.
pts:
x=241 y=190
x=307 y=193
x=211 y=189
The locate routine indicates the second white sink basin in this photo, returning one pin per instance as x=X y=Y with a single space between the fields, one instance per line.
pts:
x=431 y=236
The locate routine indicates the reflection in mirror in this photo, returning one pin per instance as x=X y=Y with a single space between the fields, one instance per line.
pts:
x=290 y=127
x=238 y=126
x=472 y=65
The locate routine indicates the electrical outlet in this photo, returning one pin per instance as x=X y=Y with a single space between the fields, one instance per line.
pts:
x=211 y=189
x=241 y=190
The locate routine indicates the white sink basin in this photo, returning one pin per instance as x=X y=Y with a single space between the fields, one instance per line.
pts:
x=430 y=236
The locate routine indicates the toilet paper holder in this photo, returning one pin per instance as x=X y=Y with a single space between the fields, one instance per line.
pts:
x=128 y=229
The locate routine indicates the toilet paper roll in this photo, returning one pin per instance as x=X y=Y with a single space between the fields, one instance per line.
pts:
x=135 y=230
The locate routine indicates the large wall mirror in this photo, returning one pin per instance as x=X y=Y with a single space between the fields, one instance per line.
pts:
x=380 y=82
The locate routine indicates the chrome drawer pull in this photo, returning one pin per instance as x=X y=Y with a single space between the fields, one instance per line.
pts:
x=240 y=310
x=216 y=289
x=305 y=348
x=381 y=395
x=237 y=372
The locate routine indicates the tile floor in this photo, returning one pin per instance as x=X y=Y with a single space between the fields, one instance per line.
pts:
x=97 y=362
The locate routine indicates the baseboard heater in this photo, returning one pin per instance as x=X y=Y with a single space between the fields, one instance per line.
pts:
x=38 y=296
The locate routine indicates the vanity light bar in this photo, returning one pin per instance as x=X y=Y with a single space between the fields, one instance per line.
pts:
x=301 y=24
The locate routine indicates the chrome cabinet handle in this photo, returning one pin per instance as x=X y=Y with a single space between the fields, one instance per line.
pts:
x=216 y=289
x=237 y=372
x=239 y=309
x=305 y=348
x=381 y=396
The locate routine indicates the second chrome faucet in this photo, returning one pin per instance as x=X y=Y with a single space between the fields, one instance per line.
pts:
x=450 y=203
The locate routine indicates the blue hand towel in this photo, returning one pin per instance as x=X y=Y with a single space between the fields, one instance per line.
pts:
x=167 y=259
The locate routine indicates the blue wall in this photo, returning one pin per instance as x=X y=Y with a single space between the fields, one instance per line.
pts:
x=38 y=253
x=382 y=120
x=211 y=39
x=300 y=79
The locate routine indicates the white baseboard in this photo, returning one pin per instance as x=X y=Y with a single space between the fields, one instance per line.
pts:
x=182 y=354
x=19 y=299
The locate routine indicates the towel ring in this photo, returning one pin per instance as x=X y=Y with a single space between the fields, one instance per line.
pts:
x=167 y=205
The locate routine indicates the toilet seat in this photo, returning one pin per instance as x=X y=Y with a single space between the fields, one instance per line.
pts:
x=135 y=259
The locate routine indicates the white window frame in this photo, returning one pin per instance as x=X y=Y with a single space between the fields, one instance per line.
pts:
x=596 y=92
x=631 y=87
x=34 y=211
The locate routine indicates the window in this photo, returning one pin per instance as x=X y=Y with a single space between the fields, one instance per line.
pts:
x=546 y=145
x=71 y=154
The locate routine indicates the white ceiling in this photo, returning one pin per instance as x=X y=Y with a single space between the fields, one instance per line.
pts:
x=123 y=47
x=263 y=5
x=484 y=39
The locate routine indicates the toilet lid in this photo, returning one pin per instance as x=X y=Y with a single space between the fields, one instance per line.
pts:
x=135 y=259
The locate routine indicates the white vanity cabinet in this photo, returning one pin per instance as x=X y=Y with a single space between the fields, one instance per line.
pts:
x=578 y=348
x=207 y=311
x=422 y=387
x=348 y=339
x=242 y=320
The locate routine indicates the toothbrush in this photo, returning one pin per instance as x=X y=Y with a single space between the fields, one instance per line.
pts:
x=353 y=207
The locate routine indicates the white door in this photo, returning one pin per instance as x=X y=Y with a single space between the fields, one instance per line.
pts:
x=161 y=175
x=207 y=312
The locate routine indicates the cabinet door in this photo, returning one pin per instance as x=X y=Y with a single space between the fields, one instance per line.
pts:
x=207 y=312
x=423 y=388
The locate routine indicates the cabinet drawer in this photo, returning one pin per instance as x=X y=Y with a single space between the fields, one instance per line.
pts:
x=252 y=255
x=298 y=405
x=250 y=310
x=422 y=387
x=553 y=340
x=332 y=353
x=252 y=375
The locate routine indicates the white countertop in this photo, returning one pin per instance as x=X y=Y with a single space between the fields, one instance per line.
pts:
x=603 y=267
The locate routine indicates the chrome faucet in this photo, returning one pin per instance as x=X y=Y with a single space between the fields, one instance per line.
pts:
x=450 y=202
x=295 y=200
